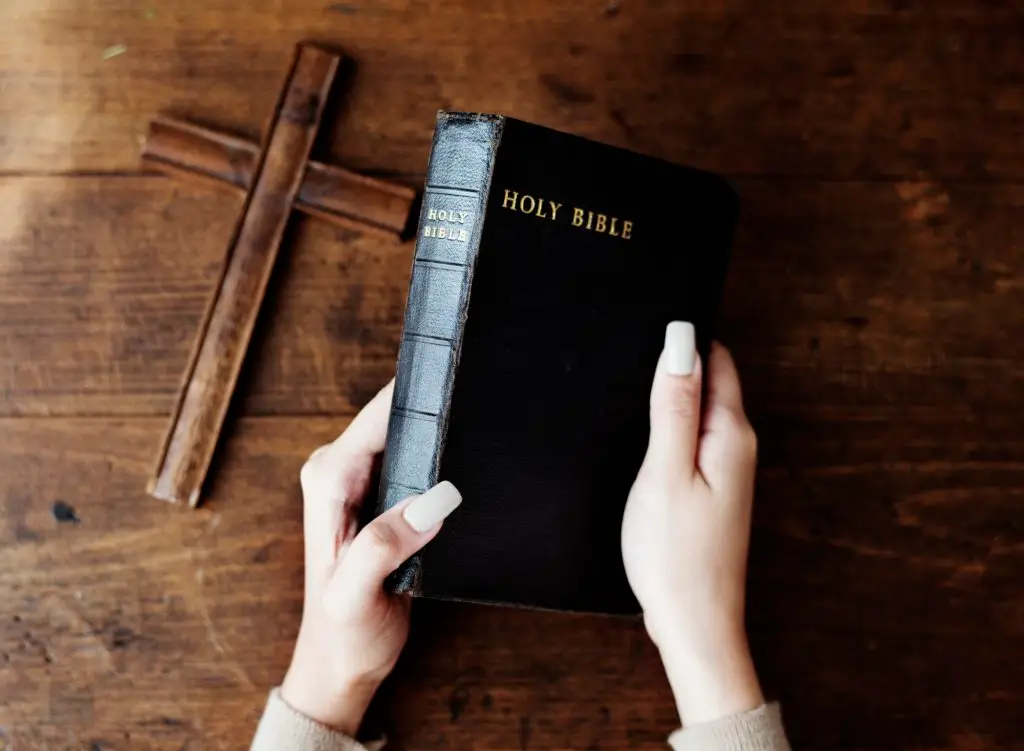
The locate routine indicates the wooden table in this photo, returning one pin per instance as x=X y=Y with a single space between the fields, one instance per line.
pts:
x=875 y=306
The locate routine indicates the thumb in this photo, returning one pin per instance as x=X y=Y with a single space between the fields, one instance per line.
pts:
x=389 y=540
x=675 y=402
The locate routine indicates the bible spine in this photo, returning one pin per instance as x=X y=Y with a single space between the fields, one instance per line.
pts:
x=447 y=244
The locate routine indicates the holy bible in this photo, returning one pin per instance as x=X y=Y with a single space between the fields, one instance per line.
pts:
x=546 y=269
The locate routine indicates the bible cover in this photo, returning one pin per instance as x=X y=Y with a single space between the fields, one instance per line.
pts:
x=546 y=269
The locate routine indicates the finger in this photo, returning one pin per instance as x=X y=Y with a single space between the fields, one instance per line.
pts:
x=390 y=539
x=728 y=448
x=723 y=390
x=675 y=402
x=332 y=492
x=335 y=479
x=368 y=431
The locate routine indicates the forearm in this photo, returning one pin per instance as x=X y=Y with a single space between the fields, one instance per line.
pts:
x=329 y=700
x=719 y=698
x=757 y=730
x=711 y=679
x=283 y=727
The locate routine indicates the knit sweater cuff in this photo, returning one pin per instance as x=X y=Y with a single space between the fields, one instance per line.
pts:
x=283 y=727
x=757 y=730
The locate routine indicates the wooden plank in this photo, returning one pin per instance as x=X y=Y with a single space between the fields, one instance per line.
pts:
x=881 y=296
x=852 y=89
x=880 y=548
x=217 y=160
x=103 y=291
x=224 y=335
x=875 y=306
x=150 y=649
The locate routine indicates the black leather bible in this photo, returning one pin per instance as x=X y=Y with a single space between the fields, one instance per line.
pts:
x=546 y=269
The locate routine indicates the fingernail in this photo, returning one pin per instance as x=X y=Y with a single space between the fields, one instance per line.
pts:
x=425 y=512
x=680 y=348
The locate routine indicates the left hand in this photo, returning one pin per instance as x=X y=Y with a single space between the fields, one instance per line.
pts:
x=352 y=629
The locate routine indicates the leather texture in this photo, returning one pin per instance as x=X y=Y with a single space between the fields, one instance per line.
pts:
x=526 y=362
x=458 y=179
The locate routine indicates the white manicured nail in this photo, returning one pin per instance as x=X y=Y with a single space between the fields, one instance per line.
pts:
x=680 y=348
x=426 y=511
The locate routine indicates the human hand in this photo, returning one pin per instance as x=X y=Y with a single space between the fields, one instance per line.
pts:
x=686 y=531
x=352 y=629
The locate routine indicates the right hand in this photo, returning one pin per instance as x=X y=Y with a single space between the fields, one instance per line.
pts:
x=686 y=531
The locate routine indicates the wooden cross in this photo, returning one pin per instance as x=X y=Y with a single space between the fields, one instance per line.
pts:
x=275 y=178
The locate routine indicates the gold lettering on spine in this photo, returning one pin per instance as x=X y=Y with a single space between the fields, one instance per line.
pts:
x=442 y=232
x=577 y=217
x=510 y=196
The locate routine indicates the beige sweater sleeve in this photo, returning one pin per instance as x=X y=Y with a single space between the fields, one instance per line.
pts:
x=757 y=730
x=285 y=729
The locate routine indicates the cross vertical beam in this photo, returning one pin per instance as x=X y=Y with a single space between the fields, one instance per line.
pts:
x=217 y=356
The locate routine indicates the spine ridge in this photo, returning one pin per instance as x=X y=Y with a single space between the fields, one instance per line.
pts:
x=447 y=245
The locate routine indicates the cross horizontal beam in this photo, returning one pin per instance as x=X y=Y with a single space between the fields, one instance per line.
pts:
x=346 y=198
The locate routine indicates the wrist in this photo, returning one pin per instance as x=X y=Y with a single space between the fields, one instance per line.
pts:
x=339 y=704
x=712 y=680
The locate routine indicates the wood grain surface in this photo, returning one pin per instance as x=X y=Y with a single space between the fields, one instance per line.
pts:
x=875 y=307
x=223 y=338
